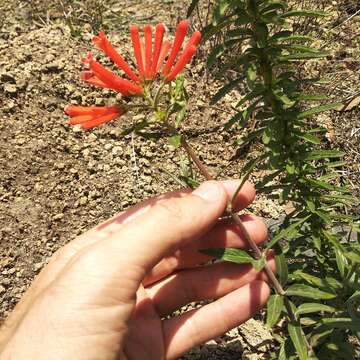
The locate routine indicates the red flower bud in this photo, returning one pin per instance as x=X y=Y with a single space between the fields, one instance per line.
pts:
x=137 y=49
x=104 y=44
x=183 y=60
x=159 y=36
x=74 y=110
x=180 y=34
x=148 y=50
x=113 y=81
x=194 y=39
x=89 y=117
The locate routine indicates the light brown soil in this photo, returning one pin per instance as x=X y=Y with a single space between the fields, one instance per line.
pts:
x=56 y=182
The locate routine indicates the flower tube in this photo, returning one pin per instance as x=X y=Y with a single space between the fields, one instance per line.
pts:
x=183 y=60
x=113 y=81
x=91 y=116
x=159 y=37
x=104 y=44
x=180 y=34
x=137 y=49
x=148 y=50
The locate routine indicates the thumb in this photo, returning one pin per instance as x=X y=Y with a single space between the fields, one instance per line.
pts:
x=136 y=247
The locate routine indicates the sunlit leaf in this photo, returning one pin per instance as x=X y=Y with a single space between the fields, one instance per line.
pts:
x=307 y=291
x=298 y=339
x=274 y=308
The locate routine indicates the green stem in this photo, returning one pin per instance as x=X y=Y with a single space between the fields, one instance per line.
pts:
x=257 y=252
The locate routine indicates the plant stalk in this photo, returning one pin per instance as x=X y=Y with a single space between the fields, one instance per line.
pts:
x=257 y=252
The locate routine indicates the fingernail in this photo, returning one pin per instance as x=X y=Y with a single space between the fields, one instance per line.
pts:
x=209 y=191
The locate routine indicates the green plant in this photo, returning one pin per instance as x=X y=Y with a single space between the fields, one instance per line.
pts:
x=317 y=260
x=314 y=259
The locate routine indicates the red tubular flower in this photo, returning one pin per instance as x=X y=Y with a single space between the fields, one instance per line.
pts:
x=164 y=52
x=137 y=48
x=194 y=39
x=159 y=36
x=186 y=56
x=104 y=44
x=100 y=76
x=90 y=78
x=148 y=50
x=91 y=116
x=180 y=34
x=183 y=60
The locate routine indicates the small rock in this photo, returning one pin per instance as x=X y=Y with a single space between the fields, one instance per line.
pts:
x=38 y=266
x=2 y=289
x=10 y=89
x=76 y=129
x=60 y=166
x=58 y=216
x=92 y=137
x=108 y=146
x=83 y=200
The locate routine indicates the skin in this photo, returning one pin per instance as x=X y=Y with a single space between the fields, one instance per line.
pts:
x=106 y=294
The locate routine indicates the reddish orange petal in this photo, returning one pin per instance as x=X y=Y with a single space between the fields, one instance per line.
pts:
x=104 y=44
x=74 y=110
x=99 y=120
x=79 y=119
x=180 y=34
x=148 y=50
x=159 y=36
x=114 y=82
x=92 y=79
x=134 y=31
x=194 y=39
x=183 y=60
x=164 y=52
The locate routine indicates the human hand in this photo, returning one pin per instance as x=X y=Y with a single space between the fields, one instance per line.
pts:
x=105 y=295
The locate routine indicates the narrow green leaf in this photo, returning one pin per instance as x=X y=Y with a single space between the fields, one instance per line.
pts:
x=353 y=256
x=274 y=308
x=334 y=164
x=307 y=291
x=309 y=138
x=341 y=323
x=232 y=255
x=327 y=284
x=341 y=262
x=318 y=109
x=323 y=154
x=307 y=13
x=298 y=339
x=286 y=232
x=281 y=265
x=309 y=308
x=303 y=56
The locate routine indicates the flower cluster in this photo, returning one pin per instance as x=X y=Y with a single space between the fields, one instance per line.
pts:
x=155 y=58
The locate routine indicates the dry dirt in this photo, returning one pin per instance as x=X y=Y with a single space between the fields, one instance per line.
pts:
x=56 y=181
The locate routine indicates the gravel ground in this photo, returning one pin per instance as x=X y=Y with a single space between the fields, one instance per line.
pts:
x=56 y=182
